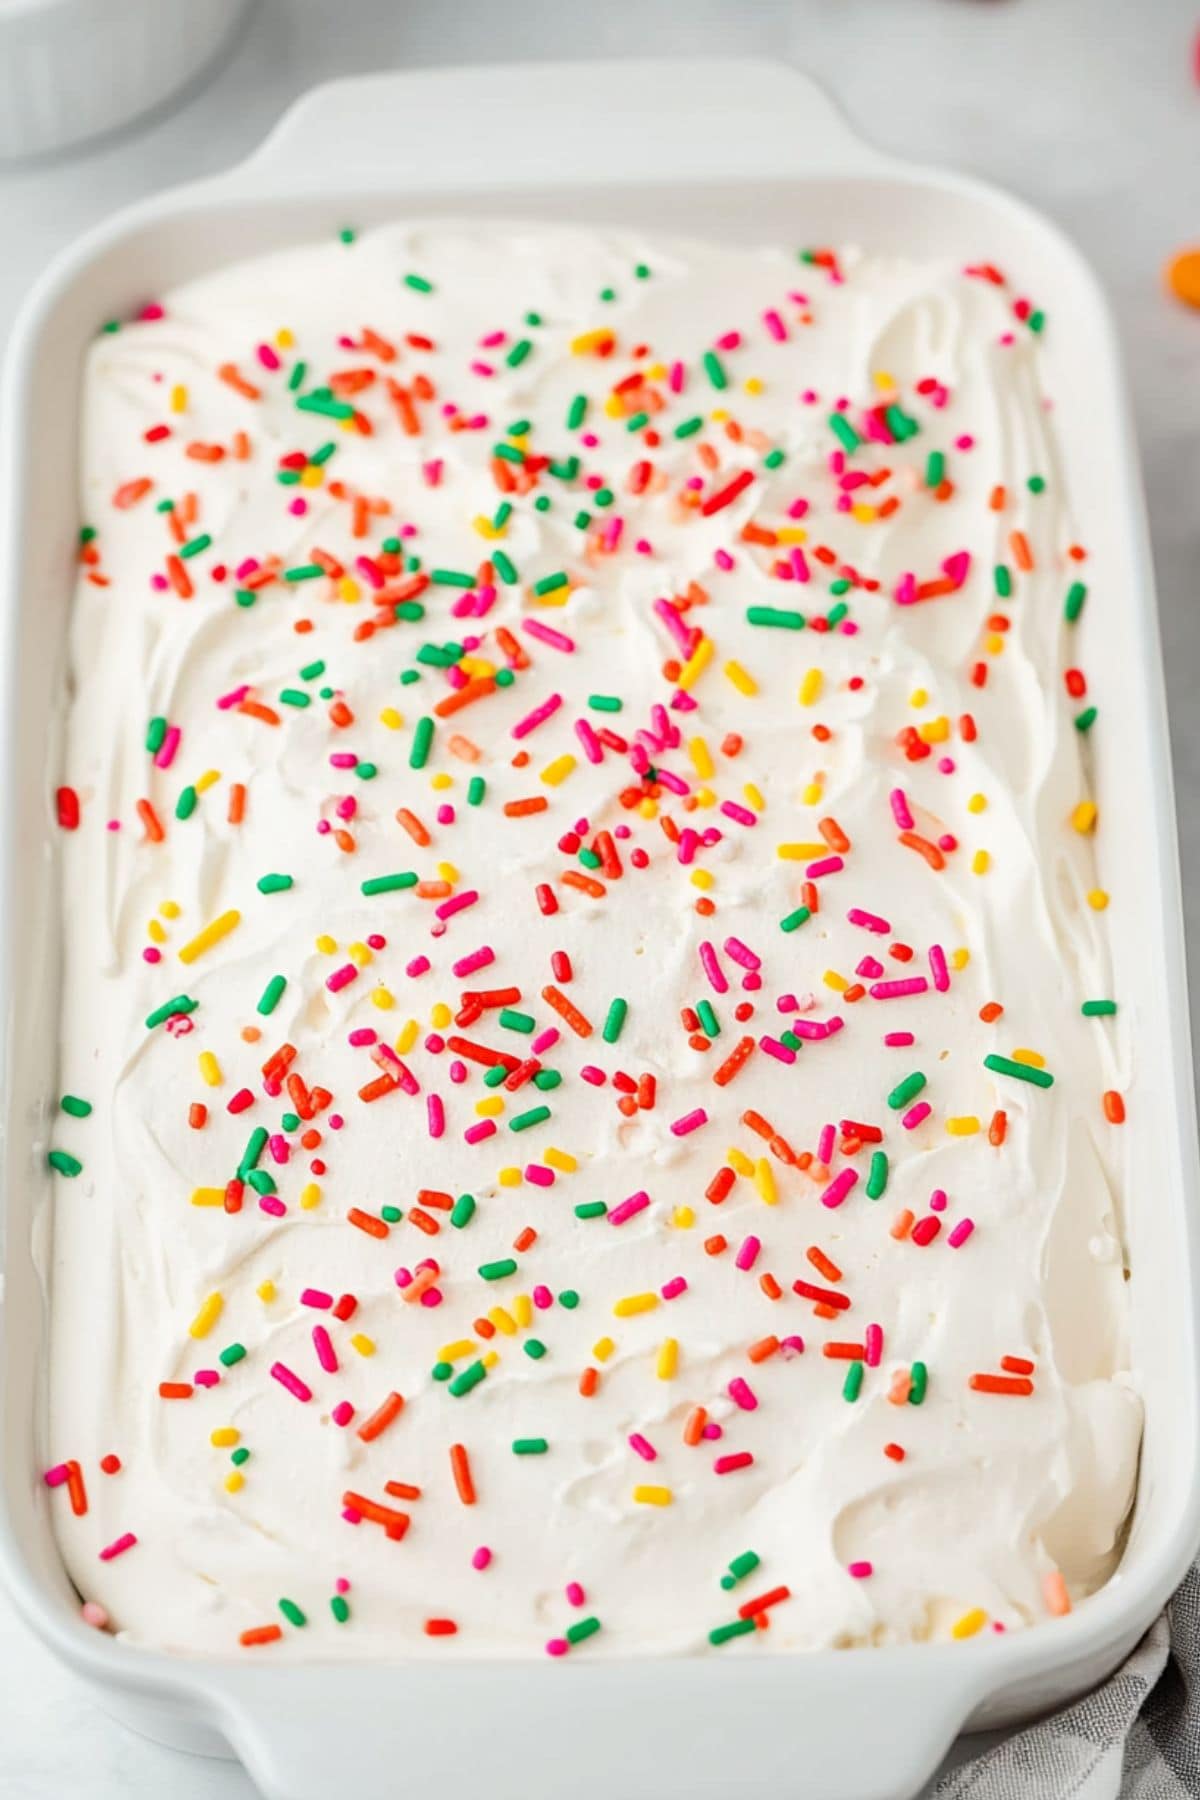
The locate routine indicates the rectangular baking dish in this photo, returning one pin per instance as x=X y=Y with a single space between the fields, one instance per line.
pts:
x=745 y=152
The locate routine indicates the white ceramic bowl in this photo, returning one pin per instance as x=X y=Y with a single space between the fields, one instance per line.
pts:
x=71 y=69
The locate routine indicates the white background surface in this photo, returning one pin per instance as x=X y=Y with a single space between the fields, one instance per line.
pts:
x=1088 y=108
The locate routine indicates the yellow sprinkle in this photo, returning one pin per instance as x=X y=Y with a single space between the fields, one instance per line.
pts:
x=919 y=697
x=1084 y=816
x=981 y=862
x=170 y=909
x=408 y=1037
x=266 y=1292
x=696 y=664
x=934 y=731
x=509 y=1177
x=560 y=1160
x=523 y=1311
x=310 y=1196
x=284 y=338
x=440 y=1015
x=965 y=1125
x=207 y=1317
x=556 y=772
x=645 y=1495
x=603 y=1348
x=702 y=878
x=1033 y=1058
x=969 y=1624
x=739 y=1161
x=212 y=934
x=476 y=665
x=490 y=1108
x=490 y=1358
x=457 y=1350
x=753 y=797
x=156 y=931
x=883 y=381
x=683 y=1218
x=207 y=1196
x=959 y=958
x=862 y=512
x=484 y=526
x=668 y=1360
x=993 y=643
x=718 y=415
x=702 y=761
x=977 y=803
x=209 y=779
x=210 y=1069
x=705 y=797
x=235 y=1481
x=325 y=944
x=313 y=476
x=635 y=1303
x=812 y=794
x=391 y=718
x=383 y=998
x=224 y=1437
x=348 y=590
x=764 y=1181
x=742 y=680
x=791 y=534
x=1097 y=899
x=363 y=1344
x=800 y=852
x=833 y=980
x=753 y=384
x=810 y=687
x=441 y=781
x=447 y=871
x=648 y=809
x=359 y=954
x=503 y=1320
x=614 y=406
x=179 y=399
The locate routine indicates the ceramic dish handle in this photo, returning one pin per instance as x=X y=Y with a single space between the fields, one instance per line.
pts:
x=500 y=126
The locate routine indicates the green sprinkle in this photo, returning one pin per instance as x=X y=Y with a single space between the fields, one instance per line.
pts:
x=739 y=1628
x=442 y=1371
x=637 y=421
x=1004 y=1065
x=439 y=656
x=569 y=1298
x=583 y=1628
x=840 y=586
x=642 y=271
x=505 y=567
x=418 y=756
x=589 y=858
x=195 y=545
x=1076 y=595
x=791 y=1041
x=615 y=1020
x=239 y=1456
x=844 y=431
x=906 y=1090
x=532 y=318
x=794 y=920
x=244 y=596
x=519 y=352
x=501 y=516
x=529 y=1446
x=1036 y=484
x=292 y=1613
x=564 y=468
x=156 y=732
x=919 y=1380
x=79 y=1109
x=550 y=584
x=322 y=454
x=391 y=1215
x=296 y=378
x=591 y=1209
x=319 y=402
x=290 y=1121
x=877 y=1176
x=231 y=1354
x=64 y=1162
x=709 y=1022
x=182 y=1003
x=1002 y=580
x=295 y=697
x=418 y=284
x=272 y=994
x=347 y=234
x=304 y=572
x=900 y=424
x=410 y=611
x=451 y=578
x=606 y=703
x=739 y=1568
x=935 y=469
x=255 y=1145
x=495 y=1075
x=496 y=1271
x=775 y=615
x=714 y=371
x=837 y=613
x=577 y=412
x=516 y=1021
x=774 y=459
x=1091 y=1009
x=546 y=1079
x=470 y=1377
x=1036 y=321
x=689 y=427
x=339 y=1606
x=1086 y=719
x=852 y=1386
x=542 y=503
x=185 y=806
x=275 y=884
x=535 y=1116
x=463 y=1211
x=366 y=771
x=519 y=428
x=390 y=884
x=476 y=789
x=535 y=1348
x=582 y=520
x=262 y=1181
x=504 y=678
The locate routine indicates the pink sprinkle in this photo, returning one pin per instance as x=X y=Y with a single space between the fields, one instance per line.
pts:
x=420 y=965
x=938 y=969
x=825 y=1144
x=575 y=1594
x=725 y=1465
x=937 y=1200
x=316 y=1297
x=272 y=1204
x=435 y=1114
x=557 y=1647
x=323 y=1345
x=742 y=1394
x=539 y=1175
x=456 y=903
x=363 y=1036
x=742 y=954
x=815 y=1029
x=860 y=1570
x=483 y=1128
x=873 y=1344
x=593 y=749
x=912 y=1118
x=723 y=559
x=748 y=1251
x=279 y=1147
x=636 y=1203
x=170 y=744
x=118 y=1546
x=267 y=356
x=826 y=865
x=341 y=978
x=235 y=698
x=689 y=1122
x=799 y=564
x=894 y=990
x=775 y=325
x=961 y=1233
x=342 y=1413
x=672 y=1289
x=545 y=1040
x=54 y=1477
x=542 y=1297
x=840 y=1186
x=537 y=717
x=592 y=1075
x=900 y=811
x=791 y=1346
x=481 y=1558
x=546 y=634
x=868 y=920
x=898 y=1040
x=284 y=1376
x=712 y=968
x=478 y=959
x=869 y=968
x=741 y=815
x=774 y=1048
x=643 y=1447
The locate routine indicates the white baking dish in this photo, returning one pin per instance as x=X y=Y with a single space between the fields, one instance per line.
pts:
x=746 y=152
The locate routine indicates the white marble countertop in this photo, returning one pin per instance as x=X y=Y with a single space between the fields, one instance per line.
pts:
x=1088 y=108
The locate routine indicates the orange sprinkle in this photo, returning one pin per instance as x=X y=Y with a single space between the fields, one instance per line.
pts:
x=929 y=851
x=260 y=1634
x=367 y=1222
x=902 y=1224
x=1114 y=1107
x=588 y=1382
x=463 y=748
x=256 y=710
x=1022 y=554
x=150 y=820
x=844 y=1352
x=991 y=1011
x=381 y=1418
x=525 y=1240
x=894 y=1451
x=998 y=1129
x=770 y=1286
x=179 y=578
x=1017 y=1365
x=693 y=1425
x=237 y=803
x=174 y=1390
x=130 y=492
x=229 y=375
x=714 y=1245
x=1054 y=1593
x=476 y=689
x=521 y=809
x=833 y=834
x=764 y=1348
x=997 y=499
x=423 y=1221
x=735 y=1062
x=1000 y=1384
x=197 y=1115
x=566 y=1009
x=900 y=1388
x=412 y=825
x=820 y=1261
x=461 y=1469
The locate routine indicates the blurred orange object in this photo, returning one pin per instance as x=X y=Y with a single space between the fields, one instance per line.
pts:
x=1183 y=277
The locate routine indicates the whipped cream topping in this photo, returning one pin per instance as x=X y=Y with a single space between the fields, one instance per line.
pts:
x=578 y=908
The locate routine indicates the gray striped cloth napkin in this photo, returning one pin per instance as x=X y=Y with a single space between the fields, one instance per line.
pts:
x=1136 y=1738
